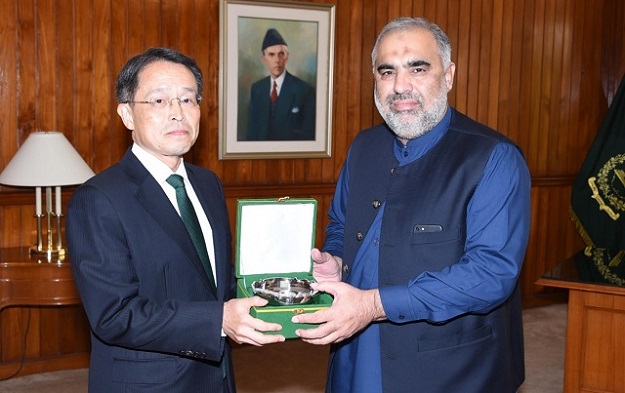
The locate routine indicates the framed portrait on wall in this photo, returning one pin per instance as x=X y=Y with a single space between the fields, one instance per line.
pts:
x=275 y=79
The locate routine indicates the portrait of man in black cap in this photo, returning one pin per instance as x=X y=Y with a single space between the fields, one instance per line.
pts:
x=282 y=106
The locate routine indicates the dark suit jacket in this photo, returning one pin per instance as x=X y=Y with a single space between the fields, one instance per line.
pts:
x=291 y=118
x=156 y=325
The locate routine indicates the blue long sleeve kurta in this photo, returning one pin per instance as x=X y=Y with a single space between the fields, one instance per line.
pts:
x=432 y=295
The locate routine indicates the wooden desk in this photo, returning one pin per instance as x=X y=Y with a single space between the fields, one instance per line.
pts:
x=595 y=340
x=41 y=318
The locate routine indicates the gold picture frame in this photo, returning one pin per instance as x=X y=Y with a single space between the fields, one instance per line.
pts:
x=308 y=31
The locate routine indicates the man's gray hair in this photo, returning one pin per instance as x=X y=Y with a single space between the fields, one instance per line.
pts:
x=409 y=24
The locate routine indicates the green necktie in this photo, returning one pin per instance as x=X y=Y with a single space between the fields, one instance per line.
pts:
x=191 y=222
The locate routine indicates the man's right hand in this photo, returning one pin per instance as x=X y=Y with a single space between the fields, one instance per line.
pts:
x=240 y=326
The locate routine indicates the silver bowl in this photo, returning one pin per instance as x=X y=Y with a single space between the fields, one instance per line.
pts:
x=284 y=290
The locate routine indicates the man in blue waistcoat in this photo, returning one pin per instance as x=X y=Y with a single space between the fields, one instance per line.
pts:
x=429 y=227
x=282 y=106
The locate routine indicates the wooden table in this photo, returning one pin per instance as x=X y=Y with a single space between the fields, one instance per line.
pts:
x=32 y=281
x=38 y=297
x=595 y=338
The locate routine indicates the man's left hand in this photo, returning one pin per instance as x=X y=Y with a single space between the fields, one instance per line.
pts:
x=352 y=310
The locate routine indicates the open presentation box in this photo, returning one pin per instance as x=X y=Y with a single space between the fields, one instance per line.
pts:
x=274 y=239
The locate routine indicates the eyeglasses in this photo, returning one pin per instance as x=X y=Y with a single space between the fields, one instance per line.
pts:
x=162 y=103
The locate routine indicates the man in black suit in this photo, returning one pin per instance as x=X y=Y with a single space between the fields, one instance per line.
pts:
x=159 y=299
x=282 y=106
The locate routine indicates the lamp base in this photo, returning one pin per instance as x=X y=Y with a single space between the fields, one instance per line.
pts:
x=50 y=254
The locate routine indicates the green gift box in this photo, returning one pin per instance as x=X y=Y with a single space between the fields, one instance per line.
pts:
x=274 y=239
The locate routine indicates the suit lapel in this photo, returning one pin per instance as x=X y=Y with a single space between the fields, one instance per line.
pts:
x=151 y=196
x=285 y=100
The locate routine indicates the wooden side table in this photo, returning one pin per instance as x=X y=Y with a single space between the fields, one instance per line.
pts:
x=59 y=331
x=595 y=341
x=29 y=281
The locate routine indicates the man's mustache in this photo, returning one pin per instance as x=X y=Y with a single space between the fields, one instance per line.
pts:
x=404 y=96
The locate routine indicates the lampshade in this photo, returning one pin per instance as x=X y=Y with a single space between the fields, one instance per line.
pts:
x=46 y=159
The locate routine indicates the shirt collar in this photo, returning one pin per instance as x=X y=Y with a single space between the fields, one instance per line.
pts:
x=279 y=80
x=157 y=168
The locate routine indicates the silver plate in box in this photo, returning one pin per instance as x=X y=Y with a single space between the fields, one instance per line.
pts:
x=284 y=290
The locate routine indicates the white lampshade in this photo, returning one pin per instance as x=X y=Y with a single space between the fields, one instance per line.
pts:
x=46 y=159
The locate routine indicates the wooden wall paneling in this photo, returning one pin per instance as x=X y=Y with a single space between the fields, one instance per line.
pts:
x=556 y=212
x=427 y=9
x=152 y=24
x=567 y=139
x=9 y=225
x=539 y=239
x=363 y=111
x=204 y=41
x=103 y=88
x=360 y=76
x=592 y=104
x=45 y=51
x=487 y=75
x=118 y=53
x=451 y=27
x=26 y=46
x=552 y=236
x=441 y=11
x=542 y=138
x=534 y=264
x=535 y=94
x=9 y=106
x=550 y=113
x=502 y=40
x=120 y=36
x=574 y=97
x=84 y=136
x=525 y=75
x=8 y=65
x=512 y=66
x=341 y=128
x=18 y=223
x=614 y=38
x=557 y=134
x=495 y=60
x=617 y=60
x=416 y=8
x=474 y=66
x=64 y=60
x=171 y=36
x=394 y=7
x=461 y=50
x=609 y=79
x=25 y=226
x=137 y=22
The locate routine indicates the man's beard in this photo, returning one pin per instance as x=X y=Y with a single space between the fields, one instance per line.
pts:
x=412 y=123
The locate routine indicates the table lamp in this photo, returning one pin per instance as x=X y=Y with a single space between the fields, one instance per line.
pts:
x=46 y=160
